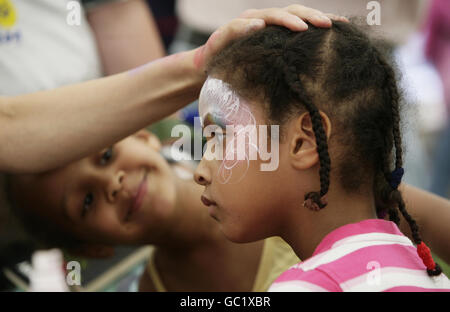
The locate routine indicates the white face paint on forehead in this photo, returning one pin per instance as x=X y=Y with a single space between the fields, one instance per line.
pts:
x=221 y=103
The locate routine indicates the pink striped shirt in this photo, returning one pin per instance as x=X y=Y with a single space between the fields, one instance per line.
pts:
x=371 y=255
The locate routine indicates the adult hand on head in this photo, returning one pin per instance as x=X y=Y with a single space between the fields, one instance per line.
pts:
x=293 y=17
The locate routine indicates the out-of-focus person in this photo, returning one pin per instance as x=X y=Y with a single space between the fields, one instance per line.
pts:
x=438 y=52
x=45 y=44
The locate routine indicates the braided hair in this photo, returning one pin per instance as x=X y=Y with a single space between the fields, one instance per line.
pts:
x=341 y=72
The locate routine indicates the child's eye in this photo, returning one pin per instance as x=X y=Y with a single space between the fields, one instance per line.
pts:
x=217 y=134
x=106 y=156
x=87 y=204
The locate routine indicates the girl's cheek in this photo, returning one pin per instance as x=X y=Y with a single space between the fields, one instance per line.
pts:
x=232 y=172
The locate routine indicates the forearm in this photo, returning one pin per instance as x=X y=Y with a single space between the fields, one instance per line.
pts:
x=126 y=35
x=432 y=214
x=44 y=130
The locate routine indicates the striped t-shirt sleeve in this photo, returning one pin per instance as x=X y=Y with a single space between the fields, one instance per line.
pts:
x=371 y=255
x=297 y=280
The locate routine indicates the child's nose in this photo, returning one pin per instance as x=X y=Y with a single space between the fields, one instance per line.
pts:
x=115 y=185
x=202 y=175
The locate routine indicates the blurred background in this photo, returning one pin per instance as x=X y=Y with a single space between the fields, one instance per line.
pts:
x=40 y=50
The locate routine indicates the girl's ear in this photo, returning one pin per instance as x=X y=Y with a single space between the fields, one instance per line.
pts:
x=149 y=138
x=326 y=124
x=92 y=251
x=303 y=147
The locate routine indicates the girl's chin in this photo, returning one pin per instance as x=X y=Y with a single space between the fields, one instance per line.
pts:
x=233 y=238
x=154 y=212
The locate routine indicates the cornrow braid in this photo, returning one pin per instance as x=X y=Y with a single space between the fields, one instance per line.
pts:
x=321 y=139
x=433 y=268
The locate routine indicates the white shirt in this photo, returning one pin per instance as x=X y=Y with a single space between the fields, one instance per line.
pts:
x=39 y=49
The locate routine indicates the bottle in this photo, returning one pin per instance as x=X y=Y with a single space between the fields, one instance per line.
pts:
x=48 y=273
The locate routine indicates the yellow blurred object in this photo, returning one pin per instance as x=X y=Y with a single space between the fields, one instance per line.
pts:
x=7 y=14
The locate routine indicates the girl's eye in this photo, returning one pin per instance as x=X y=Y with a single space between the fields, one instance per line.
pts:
x=87 y=204
x=106 y=156
x=218 y=135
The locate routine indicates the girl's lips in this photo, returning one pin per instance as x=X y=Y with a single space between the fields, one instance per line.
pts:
x=139 y=197
x=212 y=206
x=206 y=201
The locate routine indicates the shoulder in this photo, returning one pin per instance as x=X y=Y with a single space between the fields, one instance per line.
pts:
x=296 y=279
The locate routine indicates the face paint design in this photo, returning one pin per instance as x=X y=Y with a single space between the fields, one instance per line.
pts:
x=220 y=105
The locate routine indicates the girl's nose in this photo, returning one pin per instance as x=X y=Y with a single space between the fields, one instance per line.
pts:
x=115 y=185
x=202 y=175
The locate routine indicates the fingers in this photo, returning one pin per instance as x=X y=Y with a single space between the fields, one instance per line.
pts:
x=294 y=17
x=338 y=17
x=315 y=17
x=281 y=17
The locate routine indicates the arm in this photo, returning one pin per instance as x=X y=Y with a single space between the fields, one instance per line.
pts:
x=126 y=35
x=48 y=129
x=432 y=214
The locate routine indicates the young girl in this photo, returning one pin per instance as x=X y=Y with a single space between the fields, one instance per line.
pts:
x=130 y=194
x=336 y=100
